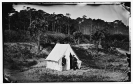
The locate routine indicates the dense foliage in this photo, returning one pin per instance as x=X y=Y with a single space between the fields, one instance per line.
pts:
x=31 y=25
x=31 y=20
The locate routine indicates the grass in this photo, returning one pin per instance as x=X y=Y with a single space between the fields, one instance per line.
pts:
x=85 y=57
x=71 y=78
x=16 y=58
x=98 y=61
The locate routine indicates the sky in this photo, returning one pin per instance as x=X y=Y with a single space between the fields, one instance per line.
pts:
x=107 y=13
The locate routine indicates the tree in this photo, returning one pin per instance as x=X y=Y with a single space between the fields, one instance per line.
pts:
x=84 y=16
x=98 y=36
x=7 y=8
x=83 y=20
x=30 y=15
x=61 y=22
x=79 y=20
x=77 y=36
x=91 y=30
x=68 y=16
x=53 y=21
x=23 y=19
x=39 y=25
x=14 y=21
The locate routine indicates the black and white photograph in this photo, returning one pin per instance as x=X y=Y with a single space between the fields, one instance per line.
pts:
x=49 y=42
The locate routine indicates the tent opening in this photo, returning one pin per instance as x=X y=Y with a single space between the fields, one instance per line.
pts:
x=63 y=63
x=73 y=62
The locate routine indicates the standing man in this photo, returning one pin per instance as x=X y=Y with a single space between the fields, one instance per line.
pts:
x=64 y=63
x=71 y=61
x=75 y=63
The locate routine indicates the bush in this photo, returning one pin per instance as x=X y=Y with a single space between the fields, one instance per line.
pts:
x=16 y=36
x=14 y=66
x=15 y=57
x=31 y=63
x=68 y=39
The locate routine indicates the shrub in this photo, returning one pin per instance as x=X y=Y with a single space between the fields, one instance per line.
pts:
x=15 y=57
x=31 y=63
x=16 y=36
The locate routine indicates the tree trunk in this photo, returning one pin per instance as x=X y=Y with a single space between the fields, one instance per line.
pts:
x=24 y=26
x=60 y=29
x=38 y=41
x=100 y=46
x=68 y=30
x=52 y=26
x=30 y=20
x=75 y=41
x=90 y=37
x=56 y=29
x=99 y=41
x=78 y=40
x=79 y=27
x=91 y=32
x=97 y=49
x=105 y=68
x=9 y=23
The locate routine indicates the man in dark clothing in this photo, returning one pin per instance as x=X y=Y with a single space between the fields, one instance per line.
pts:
x=64 y=63
x=71 y=61
x=75 y=63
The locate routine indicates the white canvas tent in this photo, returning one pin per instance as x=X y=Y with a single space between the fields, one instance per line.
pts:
x=54 y=59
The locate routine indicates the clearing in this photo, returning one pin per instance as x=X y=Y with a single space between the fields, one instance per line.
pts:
x=102 y=67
